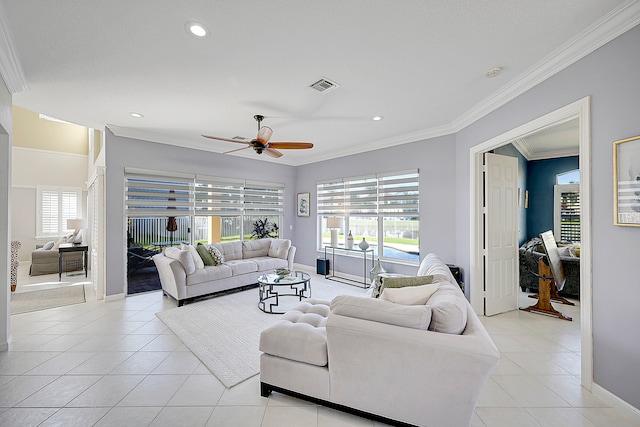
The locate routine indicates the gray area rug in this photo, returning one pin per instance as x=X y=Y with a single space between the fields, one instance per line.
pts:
x=223 y=332
x=25 y=302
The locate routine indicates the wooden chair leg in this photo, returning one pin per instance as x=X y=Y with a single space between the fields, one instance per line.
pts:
x=545 y=284
x=553 y=296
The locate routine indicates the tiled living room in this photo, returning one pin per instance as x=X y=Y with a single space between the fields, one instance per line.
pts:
x=118 y=364
x=353 y=103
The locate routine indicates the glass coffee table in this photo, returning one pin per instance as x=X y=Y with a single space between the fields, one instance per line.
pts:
x=272 y=287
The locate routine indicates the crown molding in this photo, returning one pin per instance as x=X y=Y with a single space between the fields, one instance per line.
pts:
x=10 y=67
x=610 y=26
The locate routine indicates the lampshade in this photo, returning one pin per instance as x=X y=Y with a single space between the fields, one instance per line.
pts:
x=77 y=224
x=334 y=222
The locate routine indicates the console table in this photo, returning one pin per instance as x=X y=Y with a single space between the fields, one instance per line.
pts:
x=70 y=247
x=332 y=267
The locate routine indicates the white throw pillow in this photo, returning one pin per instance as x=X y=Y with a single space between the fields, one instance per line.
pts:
x=48 y=245
x=183 y=257
x=194 y=254
x=376 y=310
x=410 y=295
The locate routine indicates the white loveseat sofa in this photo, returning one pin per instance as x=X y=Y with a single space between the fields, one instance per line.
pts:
x=244 y=262
x=384 y=360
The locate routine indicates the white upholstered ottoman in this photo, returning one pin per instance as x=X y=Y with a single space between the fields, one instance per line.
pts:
x=294 y=350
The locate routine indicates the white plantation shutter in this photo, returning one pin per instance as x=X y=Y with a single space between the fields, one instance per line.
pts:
x=567 y=212
x=55 y=206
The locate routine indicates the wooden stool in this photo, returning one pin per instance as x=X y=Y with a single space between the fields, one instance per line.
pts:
x=546 y=293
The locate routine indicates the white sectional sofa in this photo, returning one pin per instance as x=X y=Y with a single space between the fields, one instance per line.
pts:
x=244 y=262
x=422 y=365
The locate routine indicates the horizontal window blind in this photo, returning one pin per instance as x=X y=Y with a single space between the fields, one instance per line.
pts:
x=570 y=216
x=148 y=195
x=389 y=194
x=151 y=195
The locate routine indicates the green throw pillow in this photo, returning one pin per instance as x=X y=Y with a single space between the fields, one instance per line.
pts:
x=401 y=282
x=205 y=255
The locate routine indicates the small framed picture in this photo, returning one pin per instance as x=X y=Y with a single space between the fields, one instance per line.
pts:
x=626 y=182
x=303 y=204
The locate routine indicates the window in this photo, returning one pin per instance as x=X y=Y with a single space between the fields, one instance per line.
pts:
x=567 y=212
x=381 y=208
x=215 y=208
x=55 y=205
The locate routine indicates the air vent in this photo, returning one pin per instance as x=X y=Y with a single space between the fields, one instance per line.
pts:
x=324 y=85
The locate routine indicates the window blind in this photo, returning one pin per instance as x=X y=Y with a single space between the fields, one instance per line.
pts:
x=148 y=196
x=570 y=216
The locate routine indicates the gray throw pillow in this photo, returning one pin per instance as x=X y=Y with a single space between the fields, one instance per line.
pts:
x=216 y=254
x=49 y=245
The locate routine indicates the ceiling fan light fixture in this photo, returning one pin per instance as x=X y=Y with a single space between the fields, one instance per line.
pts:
x=196 y=29
x=493 y=72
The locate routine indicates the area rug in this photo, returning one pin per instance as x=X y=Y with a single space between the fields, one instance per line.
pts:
x=25 y=302
x=223 y=332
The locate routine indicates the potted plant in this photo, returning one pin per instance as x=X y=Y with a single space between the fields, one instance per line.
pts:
x=263 y=229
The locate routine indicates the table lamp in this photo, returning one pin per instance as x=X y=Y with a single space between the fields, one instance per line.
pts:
x=334 y=223
x=78 y=225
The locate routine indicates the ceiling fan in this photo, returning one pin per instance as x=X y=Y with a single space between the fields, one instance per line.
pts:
x=261 y=143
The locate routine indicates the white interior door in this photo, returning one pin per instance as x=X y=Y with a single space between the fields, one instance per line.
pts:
x=501 y=231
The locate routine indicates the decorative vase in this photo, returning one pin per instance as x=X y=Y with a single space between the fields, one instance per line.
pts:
x=363 y=245
x=349 y=243
x=377 y=269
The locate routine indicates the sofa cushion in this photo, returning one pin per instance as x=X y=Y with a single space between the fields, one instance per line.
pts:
x=279 y=248
x=209 y=273
x=194 y=254
x=409 y=295
x=49 y=245
x=203 y=251
x=230 y=250
x=408 y=316
x=242 y=266
x=182 y=256
x=300 y=335
x=255 y=248
x=376 y=287
x=268 y=263
x=448 y=309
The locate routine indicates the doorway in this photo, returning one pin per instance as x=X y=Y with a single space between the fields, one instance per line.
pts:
x=578 y=110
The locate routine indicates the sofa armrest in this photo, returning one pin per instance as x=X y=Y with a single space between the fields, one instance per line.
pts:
x=173 y=277
x=432 y=372
x=290 y=257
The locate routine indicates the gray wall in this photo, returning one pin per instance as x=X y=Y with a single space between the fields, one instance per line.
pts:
x=435 y=160
x=124 y=152
x=610 y=76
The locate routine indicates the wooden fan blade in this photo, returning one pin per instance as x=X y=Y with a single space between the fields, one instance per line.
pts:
x=226 y=139
x=273 y=153
x=291 y=145
x=237 y=149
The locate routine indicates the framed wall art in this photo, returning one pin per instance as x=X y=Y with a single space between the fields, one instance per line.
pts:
x=303 y=204
x=626 y=182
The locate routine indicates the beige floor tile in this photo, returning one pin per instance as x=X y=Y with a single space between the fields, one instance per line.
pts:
x=154 y=390
x=19 y=388
x=107 y=391
x=182 y=416
x=25 y=416
x=559 y=417
x=59 y=392
x=123 y=416
x=234 y=416
x=528 y=392
x=61 y=364
x=141 y=363
x=246 y=393
x=290 y=416
x=75 y=417
x=180 y=362
x=198 y=390
x=332 y=418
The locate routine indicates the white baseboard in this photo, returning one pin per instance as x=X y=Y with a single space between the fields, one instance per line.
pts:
x=116 y=297
x=610 y=398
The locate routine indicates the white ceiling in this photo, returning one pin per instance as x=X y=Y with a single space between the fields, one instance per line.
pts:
x=417 y=63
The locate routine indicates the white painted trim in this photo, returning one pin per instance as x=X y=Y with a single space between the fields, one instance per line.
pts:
x=57 y=153
x=613 y=400
x=581 y=110
x=610 y=26
x=10 y=67
x=116 y=297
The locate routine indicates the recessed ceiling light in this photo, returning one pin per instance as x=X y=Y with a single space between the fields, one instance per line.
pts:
x=196 y=29
x=136 y=115
x=493 y=72
x=377 y=118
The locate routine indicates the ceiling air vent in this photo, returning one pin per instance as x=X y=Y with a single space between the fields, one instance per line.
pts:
x=324 y=85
